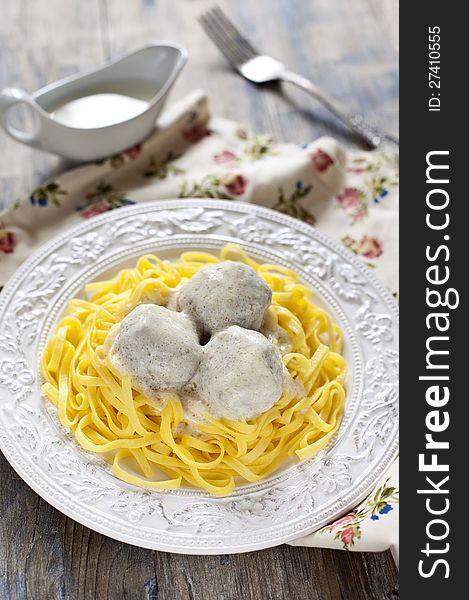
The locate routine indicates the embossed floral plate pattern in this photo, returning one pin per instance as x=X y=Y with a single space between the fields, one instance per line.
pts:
x=298 y=499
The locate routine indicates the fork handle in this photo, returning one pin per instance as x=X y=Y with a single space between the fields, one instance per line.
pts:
x=369 y=133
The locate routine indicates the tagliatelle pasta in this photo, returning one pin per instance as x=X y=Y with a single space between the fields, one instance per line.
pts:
x=146 y=444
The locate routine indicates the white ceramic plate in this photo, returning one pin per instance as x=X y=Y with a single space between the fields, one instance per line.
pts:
x=297 y=500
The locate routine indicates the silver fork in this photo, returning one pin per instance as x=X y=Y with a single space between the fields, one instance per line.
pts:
x=258 y=68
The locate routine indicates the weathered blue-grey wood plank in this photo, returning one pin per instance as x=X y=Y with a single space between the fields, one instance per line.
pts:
x=41 y=41
x=339 y=44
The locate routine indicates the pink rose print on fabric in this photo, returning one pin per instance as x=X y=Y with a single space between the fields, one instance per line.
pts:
x=95 y=209
x=225 y=157
x=8 y=240
x=370 y=187
x=348 y=529
x=349 y=198
x=195 y=133
x=321 y=160
x=347 y=536
x=235 y=184
x=103 y=198
x=133 y=152
x=353 y=201
x=359 y=216
x=345 y=520
x=370 y=247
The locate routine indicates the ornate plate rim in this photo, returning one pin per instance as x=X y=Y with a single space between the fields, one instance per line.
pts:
x=349 y=499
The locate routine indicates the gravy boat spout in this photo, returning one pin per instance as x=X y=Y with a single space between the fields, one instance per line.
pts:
x=137 y=82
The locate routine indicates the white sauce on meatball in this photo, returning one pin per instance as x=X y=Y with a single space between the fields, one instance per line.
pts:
x=240 y=376
x=157 y=347
x=276 y=334
x=225 y=294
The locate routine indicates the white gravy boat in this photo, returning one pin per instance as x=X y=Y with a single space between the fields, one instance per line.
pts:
x=153 y=69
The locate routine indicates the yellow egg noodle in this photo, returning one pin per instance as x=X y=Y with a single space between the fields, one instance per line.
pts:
x=108 y=416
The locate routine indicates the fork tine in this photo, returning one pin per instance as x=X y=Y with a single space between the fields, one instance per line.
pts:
x=225 y=39
x=226 y=47
x=228 y=39
x=232 y=31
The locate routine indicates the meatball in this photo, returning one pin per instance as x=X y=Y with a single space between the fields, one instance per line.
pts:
x=157 y=347
x=228 y=293
x=240 y=376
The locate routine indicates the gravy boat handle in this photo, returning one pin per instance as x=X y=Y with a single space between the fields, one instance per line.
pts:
x=10 y=97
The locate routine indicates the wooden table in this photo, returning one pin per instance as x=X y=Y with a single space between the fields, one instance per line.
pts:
x=347 y=46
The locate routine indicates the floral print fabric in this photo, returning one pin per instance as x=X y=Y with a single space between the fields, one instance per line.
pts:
x=351 y=196
x=373 y=526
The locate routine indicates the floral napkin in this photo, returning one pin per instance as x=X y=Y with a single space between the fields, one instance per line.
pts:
x=373 y=526
x=351 y=196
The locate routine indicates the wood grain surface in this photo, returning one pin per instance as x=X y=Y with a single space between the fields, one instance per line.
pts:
x=347 y=46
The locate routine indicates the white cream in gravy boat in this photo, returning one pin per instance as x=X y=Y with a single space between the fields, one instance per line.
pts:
x=96 y=114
